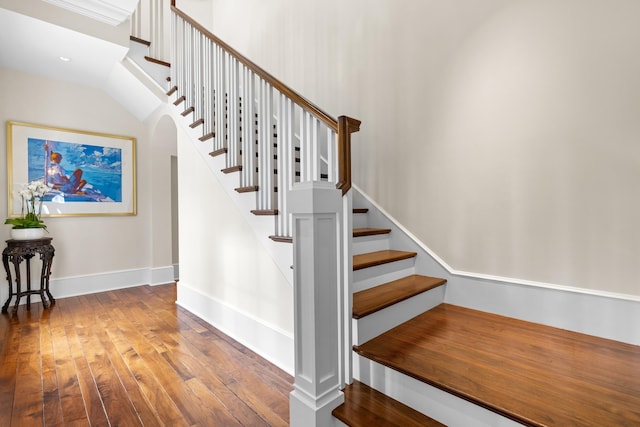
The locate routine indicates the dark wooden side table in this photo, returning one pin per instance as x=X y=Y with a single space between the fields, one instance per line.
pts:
x=19 y=250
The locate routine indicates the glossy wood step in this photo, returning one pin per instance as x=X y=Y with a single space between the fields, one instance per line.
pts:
x=218 y=152
x=372 y=259
x=374 y=299
x=361 y=232
x=366 y=407
x=360 y=210
x=534 y=374
x=282 y=239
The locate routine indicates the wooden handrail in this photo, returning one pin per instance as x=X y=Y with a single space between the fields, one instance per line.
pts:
x=281 y=87
x=346 y=126
x=343 y=127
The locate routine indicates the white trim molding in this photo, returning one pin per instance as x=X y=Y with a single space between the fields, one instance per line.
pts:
x=64 y=287
x=112 y=12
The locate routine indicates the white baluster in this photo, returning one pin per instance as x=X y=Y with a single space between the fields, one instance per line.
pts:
x=265 y=147
x=206 y=113
x=248 y=129
x=233 y=123
x=332 y=155
x=174 y=49
x=221 y=93
x=197 y=84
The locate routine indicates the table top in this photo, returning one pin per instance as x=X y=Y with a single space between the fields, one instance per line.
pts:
x=29 y=243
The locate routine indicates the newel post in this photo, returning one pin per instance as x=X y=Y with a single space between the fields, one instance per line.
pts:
x=316 y=209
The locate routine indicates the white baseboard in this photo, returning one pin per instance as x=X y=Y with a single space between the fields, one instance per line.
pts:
x=266 y=340
x=162 y=275
x=63 y=287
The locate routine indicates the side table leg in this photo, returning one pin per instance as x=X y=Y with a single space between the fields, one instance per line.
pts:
x=5 y=262
x=44 y=280
x=47 y=276
x=16 y=267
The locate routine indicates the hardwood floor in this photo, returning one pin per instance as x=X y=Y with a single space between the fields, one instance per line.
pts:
x=131 y=357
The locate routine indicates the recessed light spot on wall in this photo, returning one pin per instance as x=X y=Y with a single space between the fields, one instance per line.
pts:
x=64 y=58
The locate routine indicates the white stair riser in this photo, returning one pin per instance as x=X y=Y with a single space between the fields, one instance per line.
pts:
x=365 y=244
x=366 y=274
x=360 y=220
x=159 y=73
x=381 y=279
x=381 y=321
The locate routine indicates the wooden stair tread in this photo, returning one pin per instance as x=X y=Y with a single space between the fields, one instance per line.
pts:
x=372 y=259
x=361 y=232
x=282 y=239
x=375 y=299
x=534 y=374
x=367 y=407
x=360 y=210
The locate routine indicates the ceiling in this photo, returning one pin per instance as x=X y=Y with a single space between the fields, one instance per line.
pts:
x=113 y=12
x=34 y=46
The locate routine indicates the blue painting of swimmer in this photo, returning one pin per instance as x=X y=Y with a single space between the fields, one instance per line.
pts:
x=76 y=172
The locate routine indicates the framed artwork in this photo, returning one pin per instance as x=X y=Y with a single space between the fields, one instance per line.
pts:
x=88 y=173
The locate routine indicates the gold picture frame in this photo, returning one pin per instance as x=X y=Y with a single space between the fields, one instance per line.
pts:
x=90 y=173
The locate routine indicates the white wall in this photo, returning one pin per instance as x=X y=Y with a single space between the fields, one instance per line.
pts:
x=92 y=253
x=503 y=134
x=227 y=277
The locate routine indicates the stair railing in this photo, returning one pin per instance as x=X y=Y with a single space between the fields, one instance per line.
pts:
x=148 y=22
x=271 y=135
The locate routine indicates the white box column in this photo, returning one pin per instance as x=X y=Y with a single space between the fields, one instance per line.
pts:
x=316 y=208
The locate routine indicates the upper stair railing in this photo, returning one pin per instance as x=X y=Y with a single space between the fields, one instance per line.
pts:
x=271 y=135
x=149 y=22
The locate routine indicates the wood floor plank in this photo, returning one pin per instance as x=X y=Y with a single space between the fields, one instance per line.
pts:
x=8 y=367
x=27 y=406
x=71 y=401
x=90 y=395
x=144 y=409
x=52 y=408
x=114 y=398
x=131 y=357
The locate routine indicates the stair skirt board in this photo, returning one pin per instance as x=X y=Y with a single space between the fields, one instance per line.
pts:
x=437 y=404
x=381 y=321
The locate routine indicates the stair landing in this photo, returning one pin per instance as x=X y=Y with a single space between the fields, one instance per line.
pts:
x=533 y=374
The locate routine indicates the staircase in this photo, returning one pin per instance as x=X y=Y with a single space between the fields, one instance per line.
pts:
x=417 y=359
x=420 y=361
